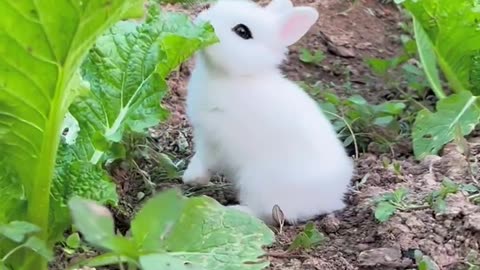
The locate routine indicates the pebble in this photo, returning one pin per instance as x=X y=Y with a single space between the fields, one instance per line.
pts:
x=380 y=257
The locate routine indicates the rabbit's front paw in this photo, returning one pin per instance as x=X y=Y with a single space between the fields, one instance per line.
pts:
x=196 y=173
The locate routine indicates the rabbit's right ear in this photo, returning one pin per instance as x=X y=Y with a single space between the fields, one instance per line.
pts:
x=278 y=6
x=295 y=23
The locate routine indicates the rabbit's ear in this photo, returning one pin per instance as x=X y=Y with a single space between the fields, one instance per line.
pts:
x=278 y=6
x=296 y=23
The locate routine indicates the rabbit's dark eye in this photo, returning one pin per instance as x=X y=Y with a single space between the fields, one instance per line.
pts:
x=242 y=31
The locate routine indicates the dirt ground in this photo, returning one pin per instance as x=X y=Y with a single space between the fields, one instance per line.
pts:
x=348 y=32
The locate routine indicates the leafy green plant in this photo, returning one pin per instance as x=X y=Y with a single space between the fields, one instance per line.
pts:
x=447 y=36
x=424 y=262
x=42 y=76
x=174 y=232
x=21 y=233
x=41 y=49
x=390 y=203
x=308 y=238
x=358 y=122
x=437 y=198
x=473 y=193
x=309 y=57
x=473 y=260
x=402 y=72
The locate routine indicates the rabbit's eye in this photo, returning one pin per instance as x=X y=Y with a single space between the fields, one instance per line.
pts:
x=242 y=31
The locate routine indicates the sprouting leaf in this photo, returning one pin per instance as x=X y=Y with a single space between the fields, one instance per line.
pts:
x=437 y=198
x=400 y=195
x=469 y=188
x=40 y=247
x=449 y=187
x=73 y=241
x=379 y=67
x=308 y=238
x=391 y=108
x=383 y=121
x=166 y=163
x=358 y=100
x=432 y=131
x=307 y=56
x=18 y=230
x=425 y=262
x=126 y=71
x=384 y=210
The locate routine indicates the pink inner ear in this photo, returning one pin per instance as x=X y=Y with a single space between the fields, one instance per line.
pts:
x=295 y=27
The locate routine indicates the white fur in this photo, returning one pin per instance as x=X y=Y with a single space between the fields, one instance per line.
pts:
x=260 y=129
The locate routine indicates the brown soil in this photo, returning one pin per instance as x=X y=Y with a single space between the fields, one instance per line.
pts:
x=349 y=32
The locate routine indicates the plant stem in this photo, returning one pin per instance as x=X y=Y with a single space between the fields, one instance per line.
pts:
x=11 y=252
x=475 y=196
x=39 y=196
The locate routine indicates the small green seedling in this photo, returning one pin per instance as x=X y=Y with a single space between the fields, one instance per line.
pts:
x=390 y=203
x=425 y=262
x=173 y=232
x=306 y=56
x=20 y=232
x=473 y=260
x=394 y=166
x=359 y=122
x=436 y=199
x=473 y=193
x=73 y=244
x=308 y=239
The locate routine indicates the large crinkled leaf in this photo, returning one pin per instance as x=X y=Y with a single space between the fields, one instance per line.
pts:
x=12 y=194
x=172 y=231
x=453 y=29
x=433 y=130
x=211 y=236
x=126 y=71
x=42 y=44
x=75 y=176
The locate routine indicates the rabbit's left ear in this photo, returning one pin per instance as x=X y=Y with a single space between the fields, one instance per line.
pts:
x=295 y=24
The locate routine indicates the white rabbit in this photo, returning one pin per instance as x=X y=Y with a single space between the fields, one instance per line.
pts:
x=257 y=127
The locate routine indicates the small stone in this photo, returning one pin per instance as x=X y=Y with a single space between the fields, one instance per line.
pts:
x=457 y=204
x=414 y=223
x=330 y=224
x=341 y=51
x=140 y=196
x=473 y=222
x=441 y=231
x=380 y=257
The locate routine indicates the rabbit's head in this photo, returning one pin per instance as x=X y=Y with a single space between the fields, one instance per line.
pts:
x=253 y=39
